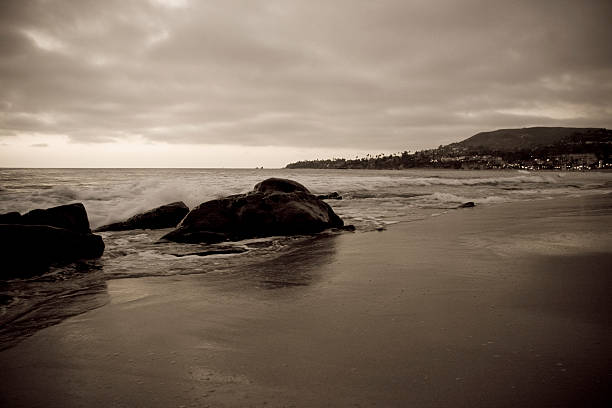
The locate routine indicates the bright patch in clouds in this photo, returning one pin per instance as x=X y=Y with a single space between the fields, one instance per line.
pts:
x=45 y=41
x=171 y=3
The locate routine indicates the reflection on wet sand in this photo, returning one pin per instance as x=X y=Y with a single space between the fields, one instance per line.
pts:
x=298 y=266
x=31 y=305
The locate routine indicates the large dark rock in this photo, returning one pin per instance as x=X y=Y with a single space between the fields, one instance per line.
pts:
x=32 y=242
x=10 y=218
x=30 y=249
x=72 y=217
x=166 y=216
x=275 y=207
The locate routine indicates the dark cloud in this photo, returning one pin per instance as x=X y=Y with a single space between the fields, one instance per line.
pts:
x=379 y=75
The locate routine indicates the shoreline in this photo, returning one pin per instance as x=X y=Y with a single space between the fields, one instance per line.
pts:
x=502 y=305
x=597 y=170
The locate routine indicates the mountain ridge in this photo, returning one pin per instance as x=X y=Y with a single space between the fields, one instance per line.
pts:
x=531 y=147
x=522 y=138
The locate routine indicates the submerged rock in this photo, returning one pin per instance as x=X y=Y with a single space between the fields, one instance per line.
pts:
x=221 y=251
x=166 y=216
x=72 y=217
x=469 y=204
x=275 y=207
x=330 y=196
x=30 y=249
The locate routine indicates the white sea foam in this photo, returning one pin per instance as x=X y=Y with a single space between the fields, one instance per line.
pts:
x=452 y=198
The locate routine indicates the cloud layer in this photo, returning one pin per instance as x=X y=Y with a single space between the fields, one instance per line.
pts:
x=380 y=75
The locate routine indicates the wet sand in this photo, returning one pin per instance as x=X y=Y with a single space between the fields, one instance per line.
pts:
x=507 y=305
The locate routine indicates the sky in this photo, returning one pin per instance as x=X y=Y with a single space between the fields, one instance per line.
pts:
x=196 y=83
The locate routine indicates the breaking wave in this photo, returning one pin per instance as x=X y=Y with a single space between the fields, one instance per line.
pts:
x=457 y=199
x=111 y=195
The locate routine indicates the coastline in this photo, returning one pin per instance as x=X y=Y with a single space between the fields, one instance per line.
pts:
x=500 y=305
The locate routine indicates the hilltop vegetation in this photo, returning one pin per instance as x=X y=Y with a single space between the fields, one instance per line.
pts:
x=530 y=148
x=521 y=139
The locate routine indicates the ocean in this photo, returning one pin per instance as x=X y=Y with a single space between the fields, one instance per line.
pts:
x=373 y=200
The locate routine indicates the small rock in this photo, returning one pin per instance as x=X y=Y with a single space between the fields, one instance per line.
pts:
x=469 y=204
x=330 y=196
x=279 y=185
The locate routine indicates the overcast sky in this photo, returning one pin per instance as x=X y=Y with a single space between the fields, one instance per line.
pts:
x=226 y=83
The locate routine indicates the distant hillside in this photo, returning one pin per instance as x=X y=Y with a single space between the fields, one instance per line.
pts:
x=529 y=148
x=520 y=139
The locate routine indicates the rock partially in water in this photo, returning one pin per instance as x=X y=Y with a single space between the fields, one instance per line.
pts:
x=166 y=216
x=274 y=207
x=32 y=242
x=10 y=218
x=279 y=185
x=29 y=249
x=72 y=217
x=330 y=196
x=469 y=204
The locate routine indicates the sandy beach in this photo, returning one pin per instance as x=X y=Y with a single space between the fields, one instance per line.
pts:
x=504 y=305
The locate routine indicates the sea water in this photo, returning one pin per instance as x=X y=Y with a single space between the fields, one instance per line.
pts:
x=372 y=200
